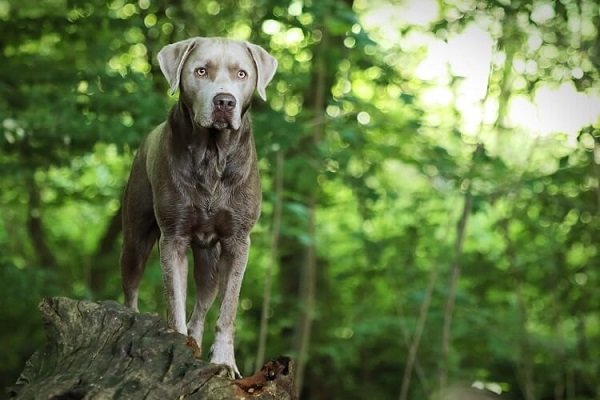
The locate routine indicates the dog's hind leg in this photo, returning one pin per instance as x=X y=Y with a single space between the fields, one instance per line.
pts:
x=136 y=249
x=206 y=277
x=133 y=261
x=140 y=230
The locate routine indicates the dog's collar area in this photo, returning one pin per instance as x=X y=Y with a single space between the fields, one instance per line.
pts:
x=215 y=131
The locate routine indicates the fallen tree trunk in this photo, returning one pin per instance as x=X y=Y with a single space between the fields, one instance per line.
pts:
x=102 y=350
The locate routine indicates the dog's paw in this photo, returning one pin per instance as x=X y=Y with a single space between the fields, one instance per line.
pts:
x=222 y=353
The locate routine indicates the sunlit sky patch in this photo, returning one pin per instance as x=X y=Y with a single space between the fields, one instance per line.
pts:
x=551 y=108
x=556 y=109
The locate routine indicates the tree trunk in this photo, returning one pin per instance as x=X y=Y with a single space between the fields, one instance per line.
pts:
x=35 y=227
x=505 y=84
x=461 y=228
x=100 y=350
x=308 y=282
x=275 y=231
x=597 y=169
x=416 y=340
x=408 y=338
x=525 y=361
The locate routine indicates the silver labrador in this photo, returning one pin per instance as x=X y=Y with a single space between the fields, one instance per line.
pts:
x=194 y=183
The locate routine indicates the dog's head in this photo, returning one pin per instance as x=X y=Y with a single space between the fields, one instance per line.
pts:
x=217 y=77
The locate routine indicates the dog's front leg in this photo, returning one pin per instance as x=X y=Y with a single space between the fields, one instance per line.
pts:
x=173 y=261
x=234 y=257
x=206 y=275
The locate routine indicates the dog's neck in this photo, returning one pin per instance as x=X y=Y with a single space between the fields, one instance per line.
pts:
x=208 y=149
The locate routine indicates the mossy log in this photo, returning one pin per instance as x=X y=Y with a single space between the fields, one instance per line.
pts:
x=102 y=350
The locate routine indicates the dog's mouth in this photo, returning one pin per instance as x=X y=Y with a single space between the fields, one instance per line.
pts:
x=221 y=120
x=221 y=125
x=218 y=119
x=224 y=120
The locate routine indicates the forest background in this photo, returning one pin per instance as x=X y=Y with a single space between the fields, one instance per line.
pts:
x=431 y=184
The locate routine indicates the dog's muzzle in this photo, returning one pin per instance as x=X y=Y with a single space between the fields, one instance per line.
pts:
x=223 y=108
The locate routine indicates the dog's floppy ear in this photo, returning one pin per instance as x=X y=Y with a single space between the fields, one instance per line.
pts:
x=266 y=65
x=171 y=59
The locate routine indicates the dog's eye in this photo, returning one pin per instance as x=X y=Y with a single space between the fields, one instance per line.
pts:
x=242 y=74
x=200 y=71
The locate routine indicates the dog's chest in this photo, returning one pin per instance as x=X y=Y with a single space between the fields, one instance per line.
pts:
x=210 y=225
x=207 y=167
x=211 y=218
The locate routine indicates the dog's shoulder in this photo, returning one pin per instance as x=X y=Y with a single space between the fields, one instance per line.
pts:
x=151 y=147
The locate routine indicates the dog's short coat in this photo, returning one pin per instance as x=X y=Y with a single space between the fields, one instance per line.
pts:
x=194 y=182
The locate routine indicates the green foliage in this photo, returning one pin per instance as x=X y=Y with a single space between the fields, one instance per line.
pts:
x=399 y=154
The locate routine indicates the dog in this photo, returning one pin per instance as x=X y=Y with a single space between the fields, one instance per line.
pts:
x=194 y=182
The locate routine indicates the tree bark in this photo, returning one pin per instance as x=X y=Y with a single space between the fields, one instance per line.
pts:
x=99 y=350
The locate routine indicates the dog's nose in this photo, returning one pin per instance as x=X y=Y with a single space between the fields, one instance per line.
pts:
x=224 y=102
